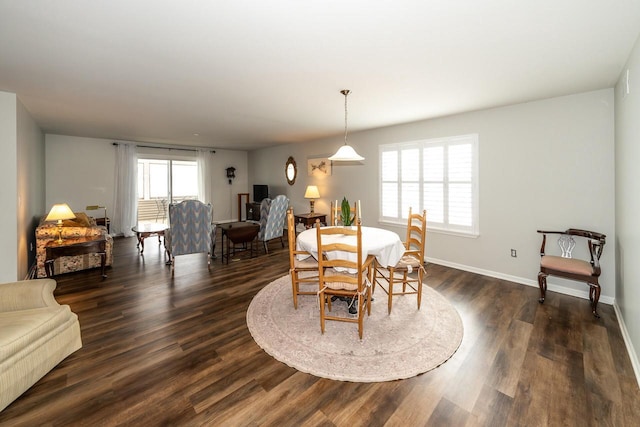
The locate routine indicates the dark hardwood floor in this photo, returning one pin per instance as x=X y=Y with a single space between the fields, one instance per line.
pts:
x=163 y=350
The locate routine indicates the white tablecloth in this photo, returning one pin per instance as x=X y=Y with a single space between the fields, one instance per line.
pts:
x=384 y=244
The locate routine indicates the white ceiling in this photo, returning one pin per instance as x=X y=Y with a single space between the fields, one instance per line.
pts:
x=247 y=73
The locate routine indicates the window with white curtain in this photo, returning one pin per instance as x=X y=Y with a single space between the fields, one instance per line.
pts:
x=439 y=175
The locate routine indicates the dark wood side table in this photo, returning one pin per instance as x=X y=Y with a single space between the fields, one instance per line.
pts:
x=237 y=233
x=75 y=246
x=105 y=222
x=145 y=230
x=309 y=219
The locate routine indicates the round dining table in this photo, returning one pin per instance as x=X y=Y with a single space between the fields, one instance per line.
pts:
x=385 y=245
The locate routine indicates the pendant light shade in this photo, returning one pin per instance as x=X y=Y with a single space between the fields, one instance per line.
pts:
x=346 y=153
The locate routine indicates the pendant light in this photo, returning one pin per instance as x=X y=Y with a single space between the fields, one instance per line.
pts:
x=346 y=153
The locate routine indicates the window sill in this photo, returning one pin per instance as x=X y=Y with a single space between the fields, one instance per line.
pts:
x=432 y=229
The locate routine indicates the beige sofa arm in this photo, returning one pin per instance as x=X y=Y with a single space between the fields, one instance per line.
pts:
x=27 y=294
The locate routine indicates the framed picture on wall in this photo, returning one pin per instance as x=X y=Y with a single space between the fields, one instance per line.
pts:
x=320 y=166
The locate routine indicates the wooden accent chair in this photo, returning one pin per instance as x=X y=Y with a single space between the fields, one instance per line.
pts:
x=336 y=211
x=340 y=275
x=412 y=261
x=307 y=266
x=569 y=268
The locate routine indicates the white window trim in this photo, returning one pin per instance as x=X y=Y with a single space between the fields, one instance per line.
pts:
x=474 y=230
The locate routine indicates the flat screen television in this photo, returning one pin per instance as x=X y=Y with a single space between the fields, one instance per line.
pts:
x=260 y=191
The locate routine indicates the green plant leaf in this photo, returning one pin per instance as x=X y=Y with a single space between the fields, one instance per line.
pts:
x=346 y=212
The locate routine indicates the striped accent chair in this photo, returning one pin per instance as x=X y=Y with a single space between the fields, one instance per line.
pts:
x=272 y=216
x=190 y=230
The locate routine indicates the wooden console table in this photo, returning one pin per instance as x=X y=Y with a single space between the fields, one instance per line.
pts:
x=75 y=246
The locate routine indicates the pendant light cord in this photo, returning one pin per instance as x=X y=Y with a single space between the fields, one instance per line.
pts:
x=345 y=92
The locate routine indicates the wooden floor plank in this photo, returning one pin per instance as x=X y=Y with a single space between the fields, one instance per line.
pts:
x=174 y=349
x=505 y=371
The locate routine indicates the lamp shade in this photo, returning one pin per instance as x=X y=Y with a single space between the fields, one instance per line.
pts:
x=59 y=212
x=312 y=192
x=346 y=153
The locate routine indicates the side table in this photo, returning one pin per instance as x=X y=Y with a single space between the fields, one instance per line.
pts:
x=75 y=246
x=145 y=230
x=309 y=219
x=105 y=222
x=237 y=233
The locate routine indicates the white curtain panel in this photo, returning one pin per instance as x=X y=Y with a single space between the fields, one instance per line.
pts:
x=125 y=206
x=205 y=168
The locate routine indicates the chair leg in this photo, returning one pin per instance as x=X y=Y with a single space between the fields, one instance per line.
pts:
x=294 y=289
x=390 y=293
x=374 y=273
x=321 y=301
x=360 y=314
x=594 y=297
x=542 y=282
x=419 y=285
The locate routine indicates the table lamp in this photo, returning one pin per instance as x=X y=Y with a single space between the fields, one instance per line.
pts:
x=59 y=212
x=312 y=193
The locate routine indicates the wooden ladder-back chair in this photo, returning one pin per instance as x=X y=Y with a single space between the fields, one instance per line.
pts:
x=308 y=266
x=336 y=214
x=569 y=268
x=386 y=277
x=342 y=272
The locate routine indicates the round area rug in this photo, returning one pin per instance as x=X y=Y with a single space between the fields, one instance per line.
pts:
x=401 y=345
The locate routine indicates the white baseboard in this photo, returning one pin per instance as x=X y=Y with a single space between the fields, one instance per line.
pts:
x=562 y=290
x=627 y=342
x=554 y=287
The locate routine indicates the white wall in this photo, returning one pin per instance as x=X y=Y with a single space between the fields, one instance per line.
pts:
x=8 y=189
x=30 y=186
x=22 y=189
x=627 y=238
x=543 y=165
x=80 y=172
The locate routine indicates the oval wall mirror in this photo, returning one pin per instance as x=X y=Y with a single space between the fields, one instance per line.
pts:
x=291 y=170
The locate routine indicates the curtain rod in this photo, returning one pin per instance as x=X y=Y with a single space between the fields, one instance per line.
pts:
x=167 y=147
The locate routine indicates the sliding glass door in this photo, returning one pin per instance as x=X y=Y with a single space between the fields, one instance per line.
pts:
x=164 y=181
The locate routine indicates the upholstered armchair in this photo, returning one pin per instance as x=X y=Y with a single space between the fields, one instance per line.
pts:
x=272 y=216
x=81 y=226
x=189 y=230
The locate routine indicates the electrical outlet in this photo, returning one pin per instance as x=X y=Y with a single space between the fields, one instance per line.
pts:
x=514 y=253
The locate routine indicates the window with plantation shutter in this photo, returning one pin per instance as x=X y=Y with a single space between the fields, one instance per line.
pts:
x=439 y=175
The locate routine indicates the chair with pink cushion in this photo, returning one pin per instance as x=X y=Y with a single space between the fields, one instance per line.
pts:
x=570 y=268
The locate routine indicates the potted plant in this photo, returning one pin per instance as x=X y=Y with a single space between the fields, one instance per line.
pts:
x=345 y=214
